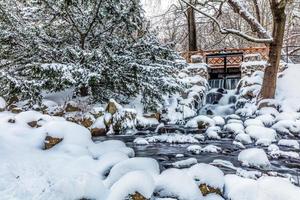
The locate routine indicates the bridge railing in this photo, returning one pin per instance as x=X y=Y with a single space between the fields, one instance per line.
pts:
x=263 y=51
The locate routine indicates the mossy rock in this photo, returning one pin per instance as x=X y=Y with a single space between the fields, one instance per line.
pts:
x=137 y=196
x=51 y=142
x=206 y=189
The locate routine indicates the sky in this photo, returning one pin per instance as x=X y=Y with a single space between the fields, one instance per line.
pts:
x=156 y=7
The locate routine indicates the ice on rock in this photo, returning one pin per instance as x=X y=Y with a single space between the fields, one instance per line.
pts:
x=265 y=188
x=235 y=128
x=185 y=163
x=148 y=165
x=211 y=149
x=289 y=143
x=140 y=141
x=131 y=183
x=177 y=184
x=258 y=132
x=254 y=157
x=243 y=138
x=196 y=149
x=219 y=121
x=207 y=174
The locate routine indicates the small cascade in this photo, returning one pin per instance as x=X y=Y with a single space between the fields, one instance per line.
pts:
x=229 y=84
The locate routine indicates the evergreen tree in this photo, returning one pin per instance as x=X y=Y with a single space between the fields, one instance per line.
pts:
x=102 y=48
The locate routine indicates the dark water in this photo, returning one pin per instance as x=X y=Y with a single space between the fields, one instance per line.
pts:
x=165 y=154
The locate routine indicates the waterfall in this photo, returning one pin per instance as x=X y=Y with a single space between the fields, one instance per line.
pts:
x=231 y=83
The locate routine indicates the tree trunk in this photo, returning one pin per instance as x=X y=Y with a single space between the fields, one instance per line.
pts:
x=192 y=29
x=270 y=76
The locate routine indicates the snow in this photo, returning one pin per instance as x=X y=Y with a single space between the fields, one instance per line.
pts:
x=193 y=123
x=148 y=165
x=99 y=123
x=235 y=128
x=287 y=127
x=211 y=149
x=255 y=122
x=243 y=138
x=140 y=141
x=185 y=163
x=2 y=104
x=254 y=157
x=258 y=132
x=172 y=138
x=196 y=149
x=213 y=132
x=130 y=183
x=177 y=184
x=287 y=91
x=267 y=119
x=207 y=174
x=289 y=143
x=219 y=121
x=264 y=188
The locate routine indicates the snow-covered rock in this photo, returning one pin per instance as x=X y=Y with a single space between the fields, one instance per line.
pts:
x=172 y=138
x=177 y=184
x=255 y=122
x=211 y=149
x=185 y=163
x=243 y=138
x=259 y=132
x=235 y=128
x=265 y=188
x=207 y=174
x=140 y=141
x=196 y=149
x=213 y=132
x=219 y=121
x=289 y=143
x=254 y=157
x=201 y=122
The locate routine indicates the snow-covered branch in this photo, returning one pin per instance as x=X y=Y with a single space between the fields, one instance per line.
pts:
x=266 y=39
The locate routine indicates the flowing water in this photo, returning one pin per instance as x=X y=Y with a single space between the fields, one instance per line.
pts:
x=219 y=101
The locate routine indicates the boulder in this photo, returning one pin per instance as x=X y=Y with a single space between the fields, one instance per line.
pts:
x=33 y=124
x=72 y=106
x=51 y=142
x=124 y=119
x=112 y=107
x=137 y=196
x=206 y=189
x=96 y=132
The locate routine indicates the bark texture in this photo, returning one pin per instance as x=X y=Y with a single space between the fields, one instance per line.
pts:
x=192 y=29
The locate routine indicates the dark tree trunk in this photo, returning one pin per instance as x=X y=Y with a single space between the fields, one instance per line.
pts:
x=270 y=77
x=192 y=29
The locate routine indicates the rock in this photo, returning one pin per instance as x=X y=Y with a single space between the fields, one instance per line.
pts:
x=51 y=142
x=124 y=119
x=12 y=121
x=33 y=124
x=16 y=110
x=87 y=121
x=13 y=100
x=96 y=132
x=137 y=196
x=112 y=107
x=206 y=189
x=72 y=106
x=153 y=115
